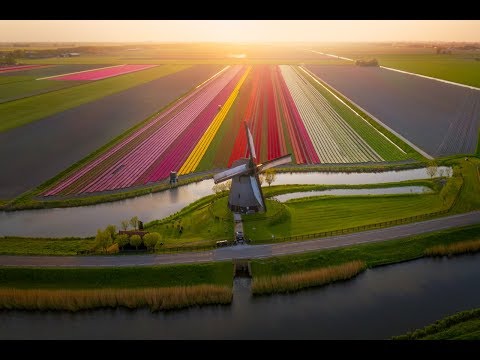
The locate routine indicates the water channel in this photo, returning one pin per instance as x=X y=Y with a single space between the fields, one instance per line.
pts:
x=377 y=304
x=85 y=220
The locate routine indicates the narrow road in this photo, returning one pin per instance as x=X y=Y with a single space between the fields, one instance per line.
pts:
x=248 y=251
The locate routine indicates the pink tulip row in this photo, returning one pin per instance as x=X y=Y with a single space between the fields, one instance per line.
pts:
x=98 y=74
x=4 y=69
x=157 y=148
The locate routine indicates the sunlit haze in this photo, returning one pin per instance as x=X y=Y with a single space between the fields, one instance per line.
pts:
x=238 y=30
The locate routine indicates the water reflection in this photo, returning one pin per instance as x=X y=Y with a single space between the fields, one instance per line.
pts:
x=377 y=191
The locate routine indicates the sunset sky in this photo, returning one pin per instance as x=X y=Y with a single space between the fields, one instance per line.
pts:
x=238 y=30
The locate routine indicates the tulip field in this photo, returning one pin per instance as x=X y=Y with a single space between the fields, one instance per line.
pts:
x=5 y=69
x=203 y=130
x=102 y=73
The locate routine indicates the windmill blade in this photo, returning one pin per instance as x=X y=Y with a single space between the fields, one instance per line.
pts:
x=257 y=191
x=251 y=145
x=275 y=162
x=228 y=174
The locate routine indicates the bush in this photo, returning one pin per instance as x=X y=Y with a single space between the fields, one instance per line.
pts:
x=122 y=240
x=151 y=239
x=113 y=249
x=136 y=240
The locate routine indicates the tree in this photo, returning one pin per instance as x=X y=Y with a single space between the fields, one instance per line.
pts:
x=134 y=222
x=122 y=240
x=151 y=239
x=103 y=239
x=10 y=59
x=270 y=176
x=448 y=172
x=261 y=179
x=217 y=188
x=125 y=224
x=432 y=169
x=135 y=240
x=112 y=229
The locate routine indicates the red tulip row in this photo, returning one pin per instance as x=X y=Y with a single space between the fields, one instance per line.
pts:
x=271 y=106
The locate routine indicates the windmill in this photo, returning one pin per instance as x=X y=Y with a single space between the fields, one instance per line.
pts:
x=246 y=192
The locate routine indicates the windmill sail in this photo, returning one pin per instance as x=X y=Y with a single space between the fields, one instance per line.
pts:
x=251 y=145
x=275 y=162
x=230 y=173
x=256 y=191
x=246 y=194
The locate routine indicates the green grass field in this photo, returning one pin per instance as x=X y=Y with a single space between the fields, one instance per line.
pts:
x=200 y=226
x=23 y=111
x=22 y=89
x=464 y=325
x=326 y=213
x=43 y=246
x=374 y=254
x=219 y=273
x=463 y=69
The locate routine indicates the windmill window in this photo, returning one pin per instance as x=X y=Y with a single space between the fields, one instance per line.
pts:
x=239 y=196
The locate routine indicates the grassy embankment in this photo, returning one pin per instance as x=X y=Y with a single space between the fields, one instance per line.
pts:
x=157 y=287
x=23 y=111
x=464 y=325
x=278 y=272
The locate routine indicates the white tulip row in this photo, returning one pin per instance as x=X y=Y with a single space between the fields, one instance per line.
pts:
x=333 y=138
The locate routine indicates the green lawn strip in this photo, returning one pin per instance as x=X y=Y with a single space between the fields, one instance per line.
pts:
x=14 y=79
x=24 y=111
x=12 y=245
x=18 y=90
x=410 y=152
x=462 y=69
x=218 y=273
x=319 y=214
x=464 y=325
x=374 y=254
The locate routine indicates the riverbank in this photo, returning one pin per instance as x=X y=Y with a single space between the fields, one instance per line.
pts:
x=464 y=325
x=156 y=287
x=278 y=271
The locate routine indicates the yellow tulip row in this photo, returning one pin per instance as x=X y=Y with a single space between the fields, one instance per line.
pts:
x=201 y=148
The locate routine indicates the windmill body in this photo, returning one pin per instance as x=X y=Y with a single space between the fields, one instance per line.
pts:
x=246 y=192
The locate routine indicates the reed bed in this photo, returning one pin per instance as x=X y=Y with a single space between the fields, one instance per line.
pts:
x=166 y=298
x=300 y=280
x=461 y=247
